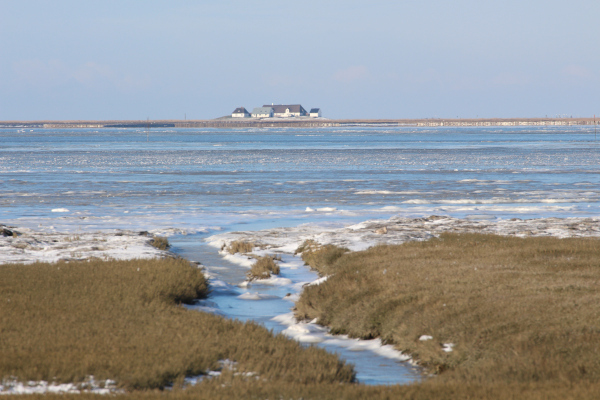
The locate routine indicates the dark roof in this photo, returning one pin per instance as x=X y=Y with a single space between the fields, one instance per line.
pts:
x=262 y=110
x=240 y=110
x=314 y=110
x=280 y=108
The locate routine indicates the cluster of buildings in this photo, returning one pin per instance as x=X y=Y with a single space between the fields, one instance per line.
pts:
x=276 y=110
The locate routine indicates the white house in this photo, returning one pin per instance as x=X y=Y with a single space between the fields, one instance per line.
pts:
x=315 y=112
x=287 y=110
x=240 y=112
x=262 y=112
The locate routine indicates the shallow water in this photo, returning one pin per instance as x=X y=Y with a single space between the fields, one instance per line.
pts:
x=204 y=178
x=263 y=302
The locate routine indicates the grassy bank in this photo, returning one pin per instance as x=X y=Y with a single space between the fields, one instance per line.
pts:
x=518 y=311
x=122 y=320
x=320 y=258
x=522 y=314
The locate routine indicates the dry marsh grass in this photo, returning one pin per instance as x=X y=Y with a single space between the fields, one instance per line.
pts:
x=122 y=320
x=263 y=268
x=519 y=311
x=523 y=314
x=237 y=388
x=320 y=257
x=160 y=242
x=240 y=246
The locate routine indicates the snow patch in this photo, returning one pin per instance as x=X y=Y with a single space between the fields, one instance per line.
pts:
x=256 y=296
x=311 y=332
x=33 y=246
x=90 y=385
x=275 y=281
x=317 y=282
x=327 y=209
x=448 y=347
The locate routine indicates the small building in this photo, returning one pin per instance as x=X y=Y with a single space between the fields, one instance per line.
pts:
x=287 y=110
x=315 y=112
x=240 y=112
x=262 y=112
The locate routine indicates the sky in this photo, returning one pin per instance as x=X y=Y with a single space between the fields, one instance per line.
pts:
x=176 y=59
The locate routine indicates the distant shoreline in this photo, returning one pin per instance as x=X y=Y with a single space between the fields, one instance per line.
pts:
x=298 y=122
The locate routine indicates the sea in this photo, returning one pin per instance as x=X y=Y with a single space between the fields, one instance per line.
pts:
x=194 y=183
x=199 y=179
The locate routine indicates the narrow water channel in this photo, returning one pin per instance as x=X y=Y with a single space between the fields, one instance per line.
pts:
x=271 y=304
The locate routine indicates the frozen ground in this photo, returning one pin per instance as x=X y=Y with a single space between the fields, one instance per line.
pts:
x=24 y=245
x=11 y=386
x=398 y=230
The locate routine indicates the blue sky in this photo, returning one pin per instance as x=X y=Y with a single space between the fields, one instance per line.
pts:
x=133 y=59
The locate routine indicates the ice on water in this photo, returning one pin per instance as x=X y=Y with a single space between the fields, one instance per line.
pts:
x=90 y=180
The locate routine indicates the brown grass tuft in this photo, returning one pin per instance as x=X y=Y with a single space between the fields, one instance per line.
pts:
x=263 y=268
x=160 y=242
x=240 y=246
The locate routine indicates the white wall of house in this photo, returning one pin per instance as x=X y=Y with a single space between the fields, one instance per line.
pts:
x=288 y=114
x=262 y=112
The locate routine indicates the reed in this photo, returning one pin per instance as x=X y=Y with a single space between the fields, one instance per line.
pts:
x=122 y=320
x=263 y=268
x=518 y=311
x=160 y=242
x=240 y=246
x=320 y=257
